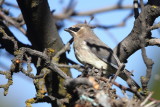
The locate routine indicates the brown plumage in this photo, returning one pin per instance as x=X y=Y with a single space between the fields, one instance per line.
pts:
x=89 y=49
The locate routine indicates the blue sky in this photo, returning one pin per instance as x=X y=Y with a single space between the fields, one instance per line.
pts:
x=135 y=62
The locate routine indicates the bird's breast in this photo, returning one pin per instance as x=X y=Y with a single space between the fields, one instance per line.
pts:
x=85 y=56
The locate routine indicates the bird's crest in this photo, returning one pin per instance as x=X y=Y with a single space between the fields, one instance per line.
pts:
x=91 y=18
x=88 y=23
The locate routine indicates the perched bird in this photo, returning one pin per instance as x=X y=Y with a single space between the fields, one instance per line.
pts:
x=90 y=50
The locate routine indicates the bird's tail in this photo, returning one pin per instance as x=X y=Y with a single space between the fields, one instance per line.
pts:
x=126 y=75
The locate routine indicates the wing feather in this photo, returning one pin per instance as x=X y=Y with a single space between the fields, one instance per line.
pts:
x=102 y=51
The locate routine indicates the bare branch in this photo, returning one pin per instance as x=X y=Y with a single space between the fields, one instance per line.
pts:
x=121 y=68
x=5 y=36
x=12 y=22
x=149 y=63
x=10 y=4
x=95 y=11
x=46 y=59
x=8 y=76
x=156 y=26
x=64 y=49
x=154 y=41
x=146 y=100
x=48 y=99
x=78 y=67
x=105 y=9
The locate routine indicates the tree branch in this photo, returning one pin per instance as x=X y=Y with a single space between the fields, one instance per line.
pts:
x=131 y=43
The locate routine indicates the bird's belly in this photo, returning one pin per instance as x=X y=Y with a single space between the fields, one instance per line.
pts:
x=85 y=56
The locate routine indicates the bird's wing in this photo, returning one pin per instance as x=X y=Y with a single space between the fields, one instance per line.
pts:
x=102 y=51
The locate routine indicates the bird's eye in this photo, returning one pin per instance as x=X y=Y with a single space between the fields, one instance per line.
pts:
x=76 y=29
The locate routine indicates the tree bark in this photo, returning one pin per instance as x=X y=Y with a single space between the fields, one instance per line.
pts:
x=131 y=43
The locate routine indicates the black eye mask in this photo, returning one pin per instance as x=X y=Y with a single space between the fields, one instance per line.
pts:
x=76 y=29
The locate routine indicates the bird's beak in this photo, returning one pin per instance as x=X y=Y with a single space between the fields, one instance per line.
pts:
x=67 y=30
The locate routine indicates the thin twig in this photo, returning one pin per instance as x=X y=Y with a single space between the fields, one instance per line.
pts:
x=12 y=22
x=154 y=41
x=6 y=86
x=5 y=36
x=156 y=26
x=146 y=99
x=121 y=67
x=94 y=11
x=147 y=61
x=46 y=59
x=64 y=49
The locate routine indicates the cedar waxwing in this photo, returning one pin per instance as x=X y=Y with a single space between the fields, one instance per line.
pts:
x=89 y=49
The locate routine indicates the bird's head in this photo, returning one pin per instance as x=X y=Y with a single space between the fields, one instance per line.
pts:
x=79 y=30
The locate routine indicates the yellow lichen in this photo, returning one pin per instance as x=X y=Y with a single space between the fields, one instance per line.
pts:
x=154 y=6
x=34 y=4
x=50 y=50
x=55 y=59
x=29 y=102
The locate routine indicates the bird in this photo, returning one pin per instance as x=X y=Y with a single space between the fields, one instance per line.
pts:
x=90 y=50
